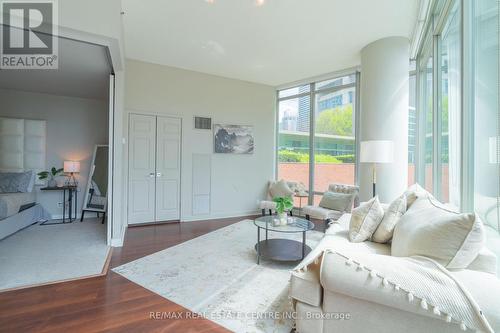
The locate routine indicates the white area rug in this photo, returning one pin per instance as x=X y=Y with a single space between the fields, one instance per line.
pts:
x=41 y=254
x=216 y=275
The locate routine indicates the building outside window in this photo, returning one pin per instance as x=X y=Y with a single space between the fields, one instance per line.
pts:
x=333 y=115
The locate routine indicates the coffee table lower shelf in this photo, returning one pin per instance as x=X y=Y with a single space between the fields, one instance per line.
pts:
x=281 y=250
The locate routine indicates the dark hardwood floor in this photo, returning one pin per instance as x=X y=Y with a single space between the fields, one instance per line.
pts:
x=109 y=303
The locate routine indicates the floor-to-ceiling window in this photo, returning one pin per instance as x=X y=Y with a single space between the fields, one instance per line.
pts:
x=294 y=114
x=486 y=20
x=324 y=112
x=412 y=124
x=426 y=138
x=439 y=68
x=458 y=145
x=449 y=129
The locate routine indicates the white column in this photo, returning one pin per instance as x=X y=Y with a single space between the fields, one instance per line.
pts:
x=384 y=113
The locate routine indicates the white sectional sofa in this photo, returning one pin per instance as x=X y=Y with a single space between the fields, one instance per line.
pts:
x=331 y=296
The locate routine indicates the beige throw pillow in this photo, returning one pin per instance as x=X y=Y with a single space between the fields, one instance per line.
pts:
x=280 y=189
x=336 y=201
x=413 y=192
x=396 y=209
x=365 y=220
x=430 y=229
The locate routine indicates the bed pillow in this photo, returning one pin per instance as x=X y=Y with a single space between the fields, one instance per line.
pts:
x=13 y=182
x=392 y=215
x=336 y=201
x=432 y=230
x=280 y=189
x=365 y=220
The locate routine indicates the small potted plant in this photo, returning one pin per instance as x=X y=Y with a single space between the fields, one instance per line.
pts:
x=283 y=205
x=50 y=175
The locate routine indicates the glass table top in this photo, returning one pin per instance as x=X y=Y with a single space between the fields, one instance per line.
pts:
x=294 y=224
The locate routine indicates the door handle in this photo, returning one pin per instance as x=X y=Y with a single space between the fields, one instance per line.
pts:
x=158 y=174
x=151 y=174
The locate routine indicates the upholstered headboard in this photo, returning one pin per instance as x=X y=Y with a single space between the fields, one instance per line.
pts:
x=22 y=145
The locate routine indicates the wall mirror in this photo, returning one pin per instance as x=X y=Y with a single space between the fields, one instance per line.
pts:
x=96 y=195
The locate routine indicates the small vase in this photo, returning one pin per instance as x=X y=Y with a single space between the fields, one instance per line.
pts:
x=52 y=183
x=283 y=218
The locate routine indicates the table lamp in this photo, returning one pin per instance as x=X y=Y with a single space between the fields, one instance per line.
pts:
x=71 y=167
x=376 y=151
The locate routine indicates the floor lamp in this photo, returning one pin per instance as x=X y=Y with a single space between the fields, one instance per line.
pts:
x=375 y=152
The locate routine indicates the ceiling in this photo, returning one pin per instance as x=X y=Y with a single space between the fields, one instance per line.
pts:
x=83 y=72
x=278 y=42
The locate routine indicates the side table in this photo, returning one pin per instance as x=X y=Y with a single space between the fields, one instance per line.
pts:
x=300 y=196
x=72 y=191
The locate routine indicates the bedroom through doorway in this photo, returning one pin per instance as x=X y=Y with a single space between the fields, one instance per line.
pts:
x=55 y=168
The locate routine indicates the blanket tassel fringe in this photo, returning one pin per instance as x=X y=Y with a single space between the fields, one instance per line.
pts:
x=385 y=282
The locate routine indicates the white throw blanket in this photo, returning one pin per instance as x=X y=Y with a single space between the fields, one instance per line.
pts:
x=422 y=279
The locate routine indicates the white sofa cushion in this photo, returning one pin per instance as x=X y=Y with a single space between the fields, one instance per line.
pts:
x=365 y=220
x=396 y=209
x=431 y=230
x=486 y=261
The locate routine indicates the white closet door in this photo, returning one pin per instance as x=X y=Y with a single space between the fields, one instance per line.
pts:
x=168 y=168
x=142 y=173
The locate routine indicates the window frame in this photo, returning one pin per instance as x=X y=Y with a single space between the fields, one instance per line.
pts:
x=312 y=121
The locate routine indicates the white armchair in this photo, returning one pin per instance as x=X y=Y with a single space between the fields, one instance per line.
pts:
x=328 y=215
x=268 y=205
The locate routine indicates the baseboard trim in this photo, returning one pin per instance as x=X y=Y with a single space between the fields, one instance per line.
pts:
x=220 y=216
x=104 y=272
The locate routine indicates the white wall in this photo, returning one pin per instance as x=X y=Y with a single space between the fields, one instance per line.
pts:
x=74 y=126
x=384 y=113
x=238 y=181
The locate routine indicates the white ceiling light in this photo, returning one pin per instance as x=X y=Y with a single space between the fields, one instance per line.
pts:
x=259 y=2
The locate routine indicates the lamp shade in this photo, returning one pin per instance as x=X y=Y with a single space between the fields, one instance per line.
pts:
x=377 y=151
x=71 y=166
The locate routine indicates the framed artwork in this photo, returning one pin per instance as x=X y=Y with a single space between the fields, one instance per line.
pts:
x=233 y=139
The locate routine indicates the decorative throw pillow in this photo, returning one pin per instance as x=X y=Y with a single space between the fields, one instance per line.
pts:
x=365 y=220
x=396 y=209
x=413 y=192
x=280 y=189
x=336 y=201
x=430 y=229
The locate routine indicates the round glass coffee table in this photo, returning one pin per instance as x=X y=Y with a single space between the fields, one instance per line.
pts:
x=281 y=249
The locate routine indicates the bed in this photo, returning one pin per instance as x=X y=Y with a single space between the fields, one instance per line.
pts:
x=22 y=151
x=13 y=203
x=19 y=210
x=22 y=219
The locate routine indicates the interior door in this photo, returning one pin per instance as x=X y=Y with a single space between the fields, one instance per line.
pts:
x=142 y=173
x=168 y=168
